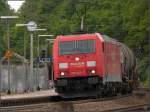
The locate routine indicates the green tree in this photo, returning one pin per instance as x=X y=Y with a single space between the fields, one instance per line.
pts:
x=4 y=10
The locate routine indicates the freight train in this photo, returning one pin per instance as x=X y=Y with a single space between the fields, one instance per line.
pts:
x=92 y=65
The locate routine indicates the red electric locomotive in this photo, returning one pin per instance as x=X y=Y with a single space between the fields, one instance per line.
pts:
x=92 y=64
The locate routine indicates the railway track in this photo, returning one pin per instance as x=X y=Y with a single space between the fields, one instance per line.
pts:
x=75 y=106
x=31 y=104
x=138 y=108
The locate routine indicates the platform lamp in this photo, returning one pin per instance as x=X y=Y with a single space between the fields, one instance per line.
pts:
x=148 y=29
x=1 y=60
x=25 y=64
x=7 y=18
x=0 y=82
x=37 y=75
x=39 y=44
x=50 y=41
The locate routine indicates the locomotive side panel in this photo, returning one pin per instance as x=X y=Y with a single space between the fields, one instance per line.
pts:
x=55 y=58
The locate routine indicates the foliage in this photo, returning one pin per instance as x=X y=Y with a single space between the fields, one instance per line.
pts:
x=4 y=10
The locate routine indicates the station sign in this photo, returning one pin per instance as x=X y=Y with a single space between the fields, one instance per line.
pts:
x=43 y=60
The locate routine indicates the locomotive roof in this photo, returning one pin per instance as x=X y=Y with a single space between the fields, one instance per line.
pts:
x=108 y=39
x=104 y=37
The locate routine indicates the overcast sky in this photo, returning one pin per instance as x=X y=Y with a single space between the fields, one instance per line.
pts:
x=15 y=4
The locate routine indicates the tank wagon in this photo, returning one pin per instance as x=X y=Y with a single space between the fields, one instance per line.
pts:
x=92 y=64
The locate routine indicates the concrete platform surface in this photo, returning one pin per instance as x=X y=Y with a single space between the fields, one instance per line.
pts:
x=43 y=93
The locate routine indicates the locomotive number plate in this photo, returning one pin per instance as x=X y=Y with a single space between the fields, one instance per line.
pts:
x=78 y=64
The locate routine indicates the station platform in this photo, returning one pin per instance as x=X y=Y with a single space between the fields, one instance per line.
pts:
x=35 y=94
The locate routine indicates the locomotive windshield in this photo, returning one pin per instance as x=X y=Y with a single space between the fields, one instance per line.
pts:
x=76 y=47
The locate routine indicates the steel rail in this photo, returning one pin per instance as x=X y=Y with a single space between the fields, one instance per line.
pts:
x=144 y=107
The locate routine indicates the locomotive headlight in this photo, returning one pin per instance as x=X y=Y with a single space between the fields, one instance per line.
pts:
x=62 y=73
x=77 y=58
x=91 y=63
x=93 y=72
x=63 y=65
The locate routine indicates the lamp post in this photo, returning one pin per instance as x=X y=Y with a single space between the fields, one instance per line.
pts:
x=1 y=60
x=46 y=50
x=31 y=26
x=149 y=53
x=37 y=75
x=0 y=83
x=25 y=64
x=7 y=18
x=51 y=64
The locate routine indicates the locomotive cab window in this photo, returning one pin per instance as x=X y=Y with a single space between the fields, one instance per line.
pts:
x=76 y=47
